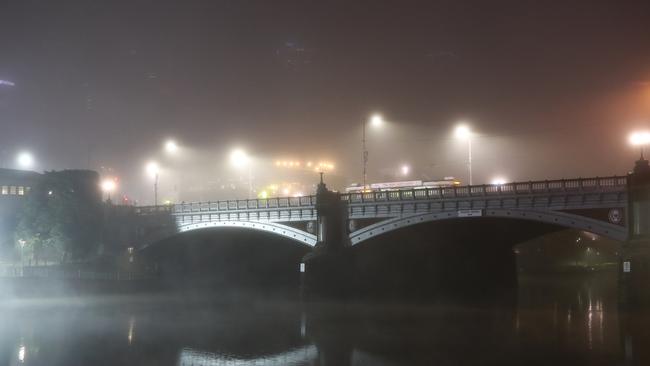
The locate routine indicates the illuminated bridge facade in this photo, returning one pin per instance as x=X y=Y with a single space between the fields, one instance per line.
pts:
x=599 y=205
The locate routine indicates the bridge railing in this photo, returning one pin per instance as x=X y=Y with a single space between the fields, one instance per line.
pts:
x=243 y=205
x=598 y=184
x=153 y=210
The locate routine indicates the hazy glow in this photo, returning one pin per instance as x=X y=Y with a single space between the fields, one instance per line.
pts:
x=131 y=328
x=25 y=160
x=463 y=132
x=376 y=120
x=499 y=181
x=296 y=164
x=7 y=82
x=152 y=168
x=108 y=185
x=405 y=169
x=21 y=354
x=171 y=147
x=239 y=158
x=639 y=138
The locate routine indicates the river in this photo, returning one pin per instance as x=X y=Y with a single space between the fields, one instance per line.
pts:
x=553 y=320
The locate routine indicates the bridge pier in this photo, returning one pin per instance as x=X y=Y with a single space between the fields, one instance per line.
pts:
x=634 y=266
x=327 y=269
x=634 y=274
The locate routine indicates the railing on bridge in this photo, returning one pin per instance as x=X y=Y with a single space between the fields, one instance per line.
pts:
x=606 y=184
x=153 y=210
x=584 y=185
x=242 y=205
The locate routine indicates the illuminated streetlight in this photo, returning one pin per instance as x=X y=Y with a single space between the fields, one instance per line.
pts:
x=171 y=147
x=153 y=170
x=498 y=181
x=375 y=121
x=640 y=139
x=108 y=186
x=25 y=160
x=405 y=169
x=240 y=160
x=464 y=133
x=22 y=352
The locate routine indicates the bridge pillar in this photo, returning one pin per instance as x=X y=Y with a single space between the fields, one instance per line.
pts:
x=327 y=268
x=634 y=268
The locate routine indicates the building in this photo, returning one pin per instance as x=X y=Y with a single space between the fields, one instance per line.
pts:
x=15 y=185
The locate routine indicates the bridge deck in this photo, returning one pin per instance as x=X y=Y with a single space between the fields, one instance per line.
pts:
x=563 y=202
x=305 y=204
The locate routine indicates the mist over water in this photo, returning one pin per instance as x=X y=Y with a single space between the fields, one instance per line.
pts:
x=571 y=320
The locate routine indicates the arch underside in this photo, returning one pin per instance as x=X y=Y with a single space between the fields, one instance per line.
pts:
x=612 y=231
x=271 y=227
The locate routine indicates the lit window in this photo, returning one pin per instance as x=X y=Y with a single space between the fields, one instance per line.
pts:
x=12 y=190
x=21 y=191
x=5 y=190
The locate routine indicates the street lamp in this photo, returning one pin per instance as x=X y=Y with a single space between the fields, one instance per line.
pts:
x=376 y=121
x=171 y=147
x=153 y=170
x=498 y=181
x=464 y=133
x=405 y=169
x=240 y=160
x=108 y=186
x=640 y=139
x=25 y=160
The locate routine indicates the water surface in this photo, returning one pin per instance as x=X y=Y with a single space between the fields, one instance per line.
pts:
x=562 y=320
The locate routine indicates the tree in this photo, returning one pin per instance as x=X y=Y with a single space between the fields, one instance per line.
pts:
x=62 y=217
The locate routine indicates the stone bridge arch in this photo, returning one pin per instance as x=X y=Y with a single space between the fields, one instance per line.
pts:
x=286 y=231
x=568 y=220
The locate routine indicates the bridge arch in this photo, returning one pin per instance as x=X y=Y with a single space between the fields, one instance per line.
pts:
x=611 y=231
x=271 y=227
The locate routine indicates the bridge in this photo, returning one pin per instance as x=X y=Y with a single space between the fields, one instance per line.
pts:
x=616 y=207
x=598 y=205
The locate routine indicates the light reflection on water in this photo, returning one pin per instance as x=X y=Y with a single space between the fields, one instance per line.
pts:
x=299 y=356
x=555 y=321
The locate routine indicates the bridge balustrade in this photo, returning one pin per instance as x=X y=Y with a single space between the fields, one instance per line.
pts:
x=517 y=188
x=522 y=187
x=150 y=210
x=582 y=184
x=233 y=205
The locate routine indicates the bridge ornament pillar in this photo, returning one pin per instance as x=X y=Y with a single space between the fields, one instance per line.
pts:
x=326 y=270
x=634 y=269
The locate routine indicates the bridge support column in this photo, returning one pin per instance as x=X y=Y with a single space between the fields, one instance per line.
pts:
x=327 y=269
x=634 y=274
x=634 y=267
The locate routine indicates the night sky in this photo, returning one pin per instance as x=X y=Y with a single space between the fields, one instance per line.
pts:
x=552 y=88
